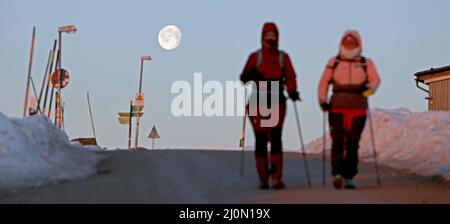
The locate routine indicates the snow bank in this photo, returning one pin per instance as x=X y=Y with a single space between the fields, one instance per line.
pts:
x=34 y=152
x=417 y=142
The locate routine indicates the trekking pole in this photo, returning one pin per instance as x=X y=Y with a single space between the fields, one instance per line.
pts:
x=39 y=100
x=30 y=64
x=302 y=144
x=49 y=78
x=242 y=138
x=372 y=135
x=324 y=156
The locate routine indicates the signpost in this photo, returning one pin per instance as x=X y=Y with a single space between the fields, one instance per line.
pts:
x=136 y=110
x=63 y=29
x=64 y=78
x=125 y=118
x=153 y=136
x=140 y=98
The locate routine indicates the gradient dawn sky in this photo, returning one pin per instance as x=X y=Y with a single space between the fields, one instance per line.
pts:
x=402 y=37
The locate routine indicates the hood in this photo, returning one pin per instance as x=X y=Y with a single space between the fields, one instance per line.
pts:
x=353 y=33
x=351 y=54
x=267 y=28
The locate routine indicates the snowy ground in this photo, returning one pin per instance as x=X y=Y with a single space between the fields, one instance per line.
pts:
x=201 y=176
x=34 y=152
x=416 y=142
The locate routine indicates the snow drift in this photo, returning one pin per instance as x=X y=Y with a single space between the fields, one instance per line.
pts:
x=417 y=142
x=34 y=152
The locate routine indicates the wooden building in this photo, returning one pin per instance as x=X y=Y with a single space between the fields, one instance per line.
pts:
x=437 y=81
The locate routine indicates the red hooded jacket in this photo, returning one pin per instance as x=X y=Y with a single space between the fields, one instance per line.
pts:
x=270 y=68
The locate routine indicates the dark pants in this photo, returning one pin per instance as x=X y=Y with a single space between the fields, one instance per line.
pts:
x=344 y=152
x=276 y=154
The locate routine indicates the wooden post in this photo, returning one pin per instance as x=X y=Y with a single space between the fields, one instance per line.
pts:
x=50 y=72
x=62 y=115
x=53 y=88
x=129 y=125
x=39 y=100
x=35 y=96
x=27 y=89
x=92 y=119
x=138 y=117
x=58 y=87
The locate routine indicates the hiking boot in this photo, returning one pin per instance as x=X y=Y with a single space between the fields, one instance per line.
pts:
x=338 y=182
x=262 y=166
x=263 y=186
x=278 y=185
x=349 y=184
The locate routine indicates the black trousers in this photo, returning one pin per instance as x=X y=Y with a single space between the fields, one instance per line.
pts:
x=344 y=152
x=262 y=138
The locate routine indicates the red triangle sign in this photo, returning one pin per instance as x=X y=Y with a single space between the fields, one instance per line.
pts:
x=140 y=97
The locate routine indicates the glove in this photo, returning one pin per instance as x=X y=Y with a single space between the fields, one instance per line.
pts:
x=252 y=75
x=295 y=96
x=325 y=107
x=367 y=93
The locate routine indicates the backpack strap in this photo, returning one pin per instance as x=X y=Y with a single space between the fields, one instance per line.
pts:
x=259 y=58
x=364 y=64
x=281 y=59
x=337 y=60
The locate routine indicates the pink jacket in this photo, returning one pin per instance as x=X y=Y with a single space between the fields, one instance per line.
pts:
x=348 y=73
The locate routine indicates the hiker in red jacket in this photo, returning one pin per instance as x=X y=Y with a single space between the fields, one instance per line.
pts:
x=270 y=64
x=354 y=78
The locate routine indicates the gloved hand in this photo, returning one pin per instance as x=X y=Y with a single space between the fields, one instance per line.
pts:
x=325 y=107
x=252 y=75
x=367 y=93
x=295 y=96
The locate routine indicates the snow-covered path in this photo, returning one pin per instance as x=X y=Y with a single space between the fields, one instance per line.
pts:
x=187 y=176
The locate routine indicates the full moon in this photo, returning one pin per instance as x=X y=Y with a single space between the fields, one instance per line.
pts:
x=169 y=37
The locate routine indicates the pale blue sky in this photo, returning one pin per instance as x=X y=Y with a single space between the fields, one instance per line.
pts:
x=402 y=37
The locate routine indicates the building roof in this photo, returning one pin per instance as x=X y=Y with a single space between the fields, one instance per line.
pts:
x=432 y=73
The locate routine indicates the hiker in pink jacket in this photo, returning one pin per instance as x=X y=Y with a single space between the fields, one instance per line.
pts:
x=354 y=78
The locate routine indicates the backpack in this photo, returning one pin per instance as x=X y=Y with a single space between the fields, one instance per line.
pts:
x=337 y=60
x=281 y=61
x=259 y=58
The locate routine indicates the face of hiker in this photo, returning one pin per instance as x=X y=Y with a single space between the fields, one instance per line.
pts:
x=270 y=36
x=350 y=45
x=350 y=42
x=270 y=40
